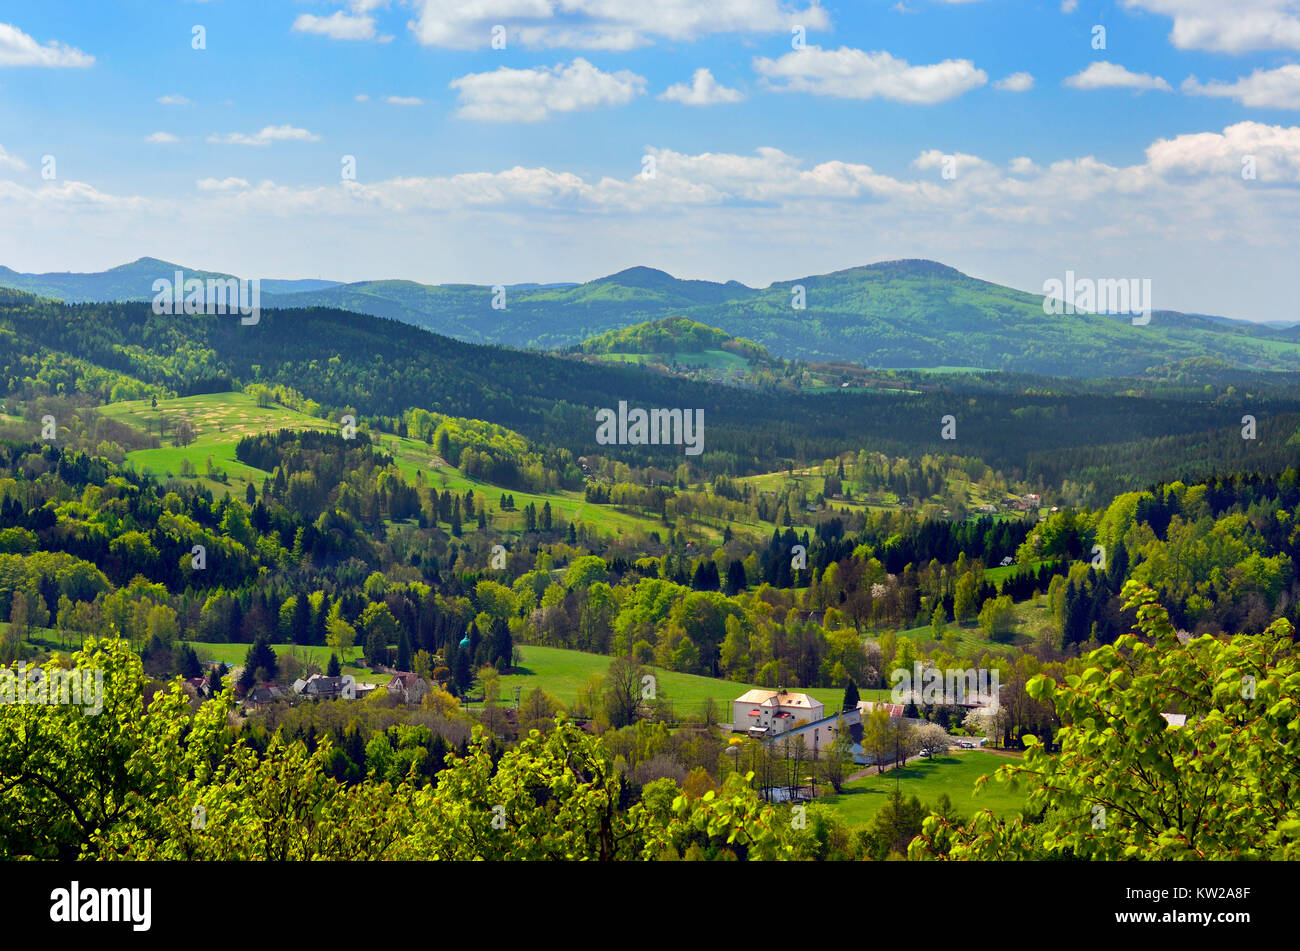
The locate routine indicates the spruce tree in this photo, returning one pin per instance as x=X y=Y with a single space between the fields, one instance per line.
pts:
x=320 y=629
x=403 y=651
x=300 y=628
x=851 y=697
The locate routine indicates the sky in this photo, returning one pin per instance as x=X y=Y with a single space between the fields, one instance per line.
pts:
x=511 y=141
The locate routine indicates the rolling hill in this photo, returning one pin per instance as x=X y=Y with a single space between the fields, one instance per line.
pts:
x=894 y=314
x=132 y=281
x=379 y=368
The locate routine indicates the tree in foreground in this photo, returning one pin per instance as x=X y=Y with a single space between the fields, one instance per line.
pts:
x=166 y=783
x=1129 y=782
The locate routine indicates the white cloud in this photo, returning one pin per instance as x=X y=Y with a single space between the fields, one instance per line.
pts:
x=1069 y=6
x=1275 y=149
x=339 y=25
x=66 y=195
x=603 y=24
x=11 y=161
x=361 y=97
x=1228 y=26
x=1016 y=82
x=269 y=134
x=854 y=74
x=221 y=184
x=528 y=95
x=404 y=101
x=1104 y=75
x=19 y=49
x=161 y=138
x=1182 y=215
x=174 y=100
x=960 y=162
x=1263 y=89
x=703 y=90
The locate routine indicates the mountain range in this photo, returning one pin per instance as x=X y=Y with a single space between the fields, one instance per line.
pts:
x=893 y=314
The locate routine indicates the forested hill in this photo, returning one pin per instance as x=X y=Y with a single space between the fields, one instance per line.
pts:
x=133 y=281
x=669 y=336
x=379 y=368
x=891 y=314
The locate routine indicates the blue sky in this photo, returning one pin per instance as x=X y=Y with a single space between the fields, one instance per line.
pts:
x=525 y=163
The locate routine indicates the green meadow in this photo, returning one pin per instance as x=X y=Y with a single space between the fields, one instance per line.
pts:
x=233 y=654
x=220 y=420
x=565 y=673
x=928 y=779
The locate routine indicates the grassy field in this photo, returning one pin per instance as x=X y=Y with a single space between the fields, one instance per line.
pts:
x=565 y=673
x=233 y=654
x=220 y=420
x=928 y=779
x=969 y=638
x=813 y=480
x=999 y=574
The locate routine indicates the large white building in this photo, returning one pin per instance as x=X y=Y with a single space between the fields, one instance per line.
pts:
x=773 y=712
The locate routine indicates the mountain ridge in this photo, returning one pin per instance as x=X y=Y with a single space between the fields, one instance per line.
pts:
x=906 y=313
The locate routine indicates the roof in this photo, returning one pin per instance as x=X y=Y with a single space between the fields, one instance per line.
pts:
x=869 y=706
x=782 y=698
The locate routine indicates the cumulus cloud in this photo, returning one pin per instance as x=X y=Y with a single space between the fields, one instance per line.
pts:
x=19 y=49
x=404 y=101
x=703 y=90
x=269 y=134
x=960 y=162
x=529 y=95
x=174 y=100
x=1182 y=214
x=1274 y=149
x=161 y=138
x=601 y=24
x=1263 y=89
x=11 y=161
x=855 y=74
x=1228 y=27
x=339 y=25
x=1016 y=82
x=1104 y=75
x=221 y=184
x=68 y=196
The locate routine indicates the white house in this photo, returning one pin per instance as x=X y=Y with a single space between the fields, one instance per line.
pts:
x=408 y=687
x=771 y=712
x=820 y=735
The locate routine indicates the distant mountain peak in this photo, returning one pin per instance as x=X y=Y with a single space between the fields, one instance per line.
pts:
x=147 y=262
x=638 y=276
x=916 y=266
